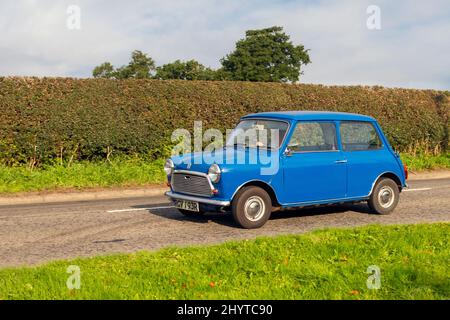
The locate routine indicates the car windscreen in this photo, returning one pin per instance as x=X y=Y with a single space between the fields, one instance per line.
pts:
x=257 y=133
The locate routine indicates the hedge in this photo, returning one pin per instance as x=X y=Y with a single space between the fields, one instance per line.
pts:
x=45 y=119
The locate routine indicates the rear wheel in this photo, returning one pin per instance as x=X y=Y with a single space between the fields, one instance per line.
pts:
x=384 y=197
x=251 y=207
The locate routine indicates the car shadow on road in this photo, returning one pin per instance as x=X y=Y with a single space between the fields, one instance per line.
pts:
x=226 y=219
x=320 y=211
x=173 y=214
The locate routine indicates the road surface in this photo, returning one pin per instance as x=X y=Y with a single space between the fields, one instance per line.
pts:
x=34 y=234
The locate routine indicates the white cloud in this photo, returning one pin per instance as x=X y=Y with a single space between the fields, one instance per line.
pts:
x=409 y=51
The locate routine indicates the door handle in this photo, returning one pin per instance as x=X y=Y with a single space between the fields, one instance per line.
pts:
x=340 y=161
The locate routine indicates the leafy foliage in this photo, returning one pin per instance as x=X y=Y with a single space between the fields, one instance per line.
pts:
x=105 y=70
x=265 y=55
x=189 y=70
x=140 y=66
x=46 y=119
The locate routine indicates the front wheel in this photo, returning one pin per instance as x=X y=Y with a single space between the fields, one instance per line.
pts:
x=251 y=207
x=384 y=197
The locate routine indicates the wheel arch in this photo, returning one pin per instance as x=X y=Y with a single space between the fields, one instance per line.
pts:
x=391 y=176
x=263 y=185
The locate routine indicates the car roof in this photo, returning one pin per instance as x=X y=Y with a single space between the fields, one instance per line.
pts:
x=310 y=115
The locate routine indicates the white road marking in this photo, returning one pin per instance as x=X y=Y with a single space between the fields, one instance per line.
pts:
x=418 y=189
x=140 y=209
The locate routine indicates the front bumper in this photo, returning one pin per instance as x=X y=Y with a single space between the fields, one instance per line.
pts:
x=178 y=196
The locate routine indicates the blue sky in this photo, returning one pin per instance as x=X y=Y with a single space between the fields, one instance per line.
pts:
x=410 y=50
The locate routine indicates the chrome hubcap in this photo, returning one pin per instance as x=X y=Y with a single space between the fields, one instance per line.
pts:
x=254 y=208
x=386 y=197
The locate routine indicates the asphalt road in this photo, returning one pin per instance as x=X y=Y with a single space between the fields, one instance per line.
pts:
x=33 y=234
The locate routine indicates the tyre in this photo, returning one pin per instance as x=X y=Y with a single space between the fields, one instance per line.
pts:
x=384 y=197
x=188 y=213
x=251 y=207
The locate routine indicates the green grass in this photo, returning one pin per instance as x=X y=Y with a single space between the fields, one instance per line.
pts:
x=422 y=161
x=81 y=175
x=328 y=264
x=131 y=172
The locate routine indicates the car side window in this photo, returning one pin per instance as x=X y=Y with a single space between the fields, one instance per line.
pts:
x=313 y=136
x=359 y=136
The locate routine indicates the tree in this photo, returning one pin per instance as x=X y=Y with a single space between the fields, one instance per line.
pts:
x=189 y=70
x=105 y=70
x=265 y=55
x=141 y=66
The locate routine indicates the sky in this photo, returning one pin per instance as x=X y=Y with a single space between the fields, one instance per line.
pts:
x=410 y=49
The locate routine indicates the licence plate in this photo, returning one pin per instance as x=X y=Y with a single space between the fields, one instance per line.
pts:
x=187 y=205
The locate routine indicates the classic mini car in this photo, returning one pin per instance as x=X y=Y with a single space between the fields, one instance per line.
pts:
x=320 y=158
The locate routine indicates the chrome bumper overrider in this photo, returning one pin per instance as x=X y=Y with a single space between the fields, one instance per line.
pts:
x=178 y=196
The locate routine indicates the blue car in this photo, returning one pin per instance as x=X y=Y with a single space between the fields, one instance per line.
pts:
x=308 y=159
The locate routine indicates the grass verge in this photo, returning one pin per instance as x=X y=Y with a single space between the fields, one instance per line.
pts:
x=422 y=161
x=131 y=172
x=82 y=175
x=327 y=264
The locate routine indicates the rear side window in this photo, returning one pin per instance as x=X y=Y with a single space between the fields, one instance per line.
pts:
x=359 y=136
x=313 y=136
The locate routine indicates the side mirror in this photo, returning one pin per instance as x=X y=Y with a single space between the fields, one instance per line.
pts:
x=288 y=152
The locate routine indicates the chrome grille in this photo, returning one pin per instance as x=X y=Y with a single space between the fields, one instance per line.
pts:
x=191 y=184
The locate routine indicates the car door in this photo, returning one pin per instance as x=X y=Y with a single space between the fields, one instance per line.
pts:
x=314 y=169
x=366 y=155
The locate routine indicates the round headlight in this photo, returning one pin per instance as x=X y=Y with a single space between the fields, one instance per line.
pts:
x=214 y=173
x=168 y=167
